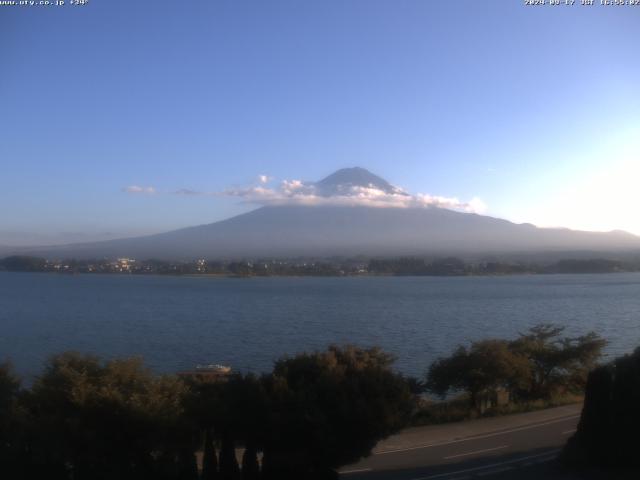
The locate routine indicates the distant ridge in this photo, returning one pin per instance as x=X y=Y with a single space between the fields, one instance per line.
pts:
x=315 y=231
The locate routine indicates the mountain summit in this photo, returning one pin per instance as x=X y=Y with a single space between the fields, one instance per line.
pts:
x=347 y=181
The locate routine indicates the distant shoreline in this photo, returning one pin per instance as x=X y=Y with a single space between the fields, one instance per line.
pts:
x=322 y=267
x=363 y=275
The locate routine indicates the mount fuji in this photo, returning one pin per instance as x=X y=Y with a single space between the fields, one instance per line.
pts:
x=350 y=212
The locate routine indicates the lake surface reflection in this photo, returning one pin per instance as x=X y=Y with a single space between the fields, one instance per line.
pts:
x=177 y=322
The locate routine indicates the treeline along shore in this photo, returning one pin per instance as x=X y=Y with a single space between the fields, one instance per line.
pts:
x=87 y=418
x=332 y=267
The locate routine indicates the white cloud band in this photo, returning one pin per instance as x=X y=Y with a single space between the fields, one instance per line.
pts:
x=139 y=189
x=296 y=192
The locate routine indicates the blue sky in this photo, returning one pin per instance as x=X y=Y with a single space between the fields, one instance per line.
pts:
x=533 y=110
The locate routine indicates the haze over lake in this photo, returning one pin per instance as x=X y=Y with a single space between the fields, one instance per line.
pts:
x=177 y=322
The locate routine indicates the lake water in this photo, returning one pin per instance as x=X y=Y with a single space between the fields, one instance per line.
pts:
x=177 y=322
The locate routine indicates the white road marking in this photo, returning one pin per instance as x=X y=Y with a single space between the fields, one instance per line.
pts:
x=357 y=470
x=543 y=460
x=484 y=467
x=567 y=432
x=468 y=439
x=496 y=470
x=476 y=452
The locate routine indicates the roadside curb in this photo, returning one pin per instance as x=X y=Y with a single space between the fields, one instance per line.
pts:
x=422 y=437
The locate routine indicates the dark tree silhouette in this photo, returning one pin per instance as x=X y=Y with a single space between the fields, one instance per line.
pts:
x=11 y=423
x=229 y=468
x=110 y=420
x=330 y=408
x=209 y=457
x=610 y=421
x=250 y=465
x=88 y=419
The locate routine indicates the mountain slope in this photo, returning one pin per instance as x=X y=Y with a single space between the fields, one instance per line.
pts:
x=324 y=231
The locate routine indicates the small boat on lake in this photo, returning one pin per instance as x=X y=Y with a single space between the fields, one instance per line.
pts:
x=208 y=372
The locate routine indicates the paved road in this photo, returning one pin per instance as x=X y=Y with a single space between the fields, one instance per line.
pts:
x=480 y=448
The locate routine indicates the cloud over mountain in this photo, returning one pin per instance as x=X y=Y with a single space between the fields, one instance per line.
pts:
x=347 y=187
x=295 y=192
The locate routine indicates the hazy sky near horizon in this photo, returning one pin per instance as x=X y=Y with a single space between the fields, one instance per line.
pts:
x=108 y=109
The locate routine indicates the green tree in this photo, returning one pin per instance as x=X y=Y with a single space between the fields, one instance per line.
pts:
x=327 y=409
x=107 y=420
x=482 y=368
x=557 y=362
x=11 y=422
x=535 y=365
